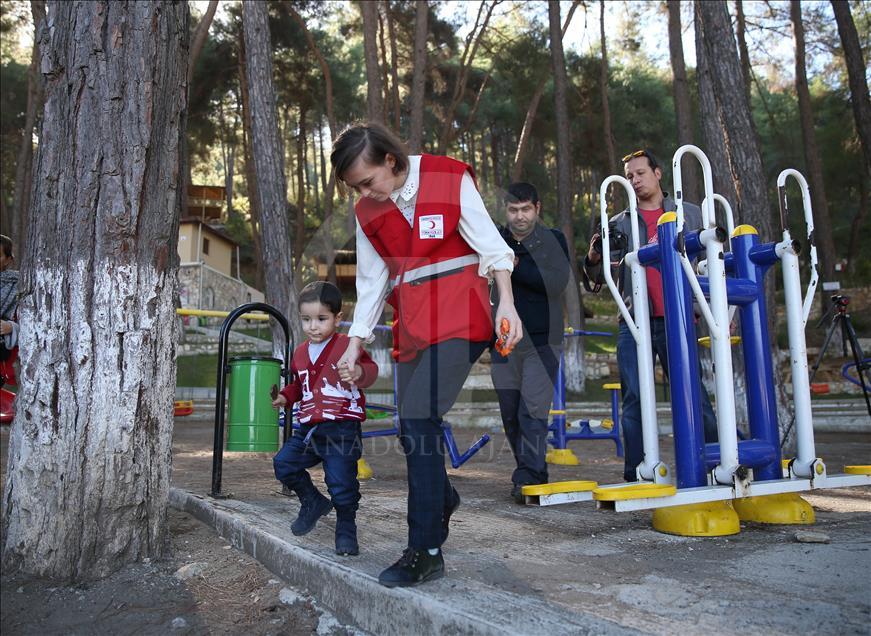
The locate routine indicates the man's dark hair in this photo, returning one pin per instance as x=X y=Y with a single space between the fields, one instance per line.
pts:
x=520 y=191
x=321 y=292
x=370 y=140
x=652 y=161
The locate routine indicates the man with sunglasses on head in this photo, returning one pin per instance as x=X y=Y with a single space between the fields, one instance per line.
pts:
x=642 y=170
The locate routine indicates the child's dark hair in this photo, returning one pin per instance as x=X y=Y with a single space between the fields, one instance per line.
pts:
x=6 y=245
x=370 y=140
x=321 y=292
x=520 y=192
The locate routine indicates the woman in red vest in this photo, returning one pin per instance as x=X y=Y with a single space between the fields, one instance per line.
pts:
x=427 y=246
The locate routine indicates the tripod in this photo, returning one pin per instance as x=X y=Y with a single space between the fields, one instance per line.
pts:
x=841 y=318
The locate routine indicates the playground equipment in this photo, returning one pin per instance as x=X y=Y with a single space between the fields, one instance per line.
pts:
x=182 y=408
x=559 y=426
x=716 y=484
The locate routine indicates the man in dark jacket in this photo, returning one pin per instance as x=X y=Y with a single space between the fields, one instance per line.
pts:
x=643 y=172
x=524 y=380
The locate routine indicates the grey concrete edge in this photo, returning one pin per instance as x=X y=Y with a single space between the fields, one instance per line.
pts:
x=377 y=609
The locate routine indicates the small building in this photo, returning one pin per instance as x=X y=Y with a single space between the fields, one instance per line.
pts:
x=209 y=256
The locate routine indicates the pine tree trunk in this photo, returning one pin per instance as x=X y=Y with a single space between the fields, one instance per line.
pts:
x=714 y=32
x=200 y=35
x=24 y=161
x=394 y=62
x=90 y=448
x=418 y=76
x=301 y=171
x=712 y=131
x=374 y=88
x=266 y=149
x=610 y=153
x=250 y=169
x=743 y=52
x=822 y=222
x=856 y=69
x=681 y=91
x=574 y=347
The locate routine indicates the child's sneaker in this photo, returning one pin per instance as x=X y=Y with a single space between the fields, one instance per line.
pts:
x=313 y=507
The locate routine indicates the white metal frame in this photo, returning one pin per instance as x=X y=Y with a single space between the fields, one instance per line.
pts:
x=651 y=468
x=716 y=313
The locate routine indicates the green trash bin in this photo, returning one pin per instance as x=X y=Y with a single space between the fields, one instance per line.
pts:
x=252 y=423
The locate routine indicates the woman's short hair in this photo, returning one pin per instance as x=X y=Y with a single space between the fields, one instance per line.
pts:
x=373 y=141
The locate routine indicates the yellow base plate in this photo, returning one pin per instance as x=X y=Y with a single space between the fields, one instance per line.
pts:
x=364 y=470
x=612 y=386
x=636 y=491
x=558 y=487
x=857 y=470
x=562 y=457
x=710 y=519
x=785 y=508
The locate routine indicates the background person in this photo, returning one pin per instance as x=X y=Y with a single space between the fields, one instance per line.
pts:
x=525 y=379
x=426 y=245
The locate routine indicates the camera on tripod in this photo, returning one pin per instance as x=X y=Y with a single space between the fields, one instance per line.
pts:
x=840 y=301
x=617 y=241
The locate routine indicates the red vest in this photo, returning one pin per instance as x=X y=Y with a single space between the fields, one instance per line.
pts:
x=438 y=302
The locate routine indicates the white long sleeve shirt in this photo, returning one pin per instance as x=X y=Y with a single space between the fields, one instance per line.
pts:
x=475 y=226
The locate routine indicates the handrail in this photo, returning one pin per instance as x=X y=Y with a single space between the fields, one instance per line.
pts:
x=215 y=313
x=809 y=223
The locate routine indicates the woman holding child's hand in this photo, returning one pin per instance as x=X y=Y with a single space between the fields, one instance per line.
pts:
x=427 y=246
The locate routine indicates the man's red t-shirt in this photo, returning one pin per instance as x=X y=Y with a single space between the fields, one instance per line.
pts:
x=654 y=278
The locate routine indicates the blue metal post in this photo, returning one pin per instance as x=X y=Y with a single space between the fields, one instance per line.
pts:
x=752 y=261
x=683 y=362
x=558 y=409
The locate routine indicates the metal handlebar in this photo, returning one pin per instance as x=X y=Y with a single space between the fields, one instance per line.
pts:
x=809 y=223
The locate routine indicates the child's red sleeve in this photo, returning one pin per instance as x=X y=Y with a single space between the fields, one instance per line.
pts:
x=370 y=370
x=293 y=391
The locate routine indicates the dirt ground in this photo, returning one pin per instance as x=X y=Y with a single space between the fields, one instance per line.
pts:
x=220 y=591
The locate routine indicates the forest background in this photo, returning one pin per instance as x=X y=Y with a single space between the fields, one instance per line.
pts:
x=487 y=83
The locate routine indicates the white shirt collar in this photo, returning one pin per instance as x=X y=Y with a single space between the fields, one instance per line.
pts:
x=409 y=189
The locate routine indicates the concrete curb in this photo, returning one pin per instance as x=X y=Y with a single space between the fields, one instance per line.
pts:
x=448 y=606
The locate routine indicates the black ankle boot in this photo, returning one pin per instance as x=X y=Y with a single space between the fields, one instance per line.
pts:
x=413 y=568
x=346 y=533
x=313 y=506
x=446 y=516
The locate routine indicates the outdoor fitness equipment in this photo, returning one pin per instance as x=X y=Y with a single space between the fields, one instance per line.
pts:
x=718 y=483
x=608 y=429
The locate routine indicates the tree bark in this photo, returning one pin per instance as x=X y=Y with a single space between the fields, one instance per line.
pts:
x=741 y=145
x=715 y=147
x=200 y=35
x=574 y=349
x=90 y=447
x=858 y=219
x=856 y=69
x=681 y=91
x=418 y=76
x=250 y=169
x=269 y=164
x=374 y=88
x=611 y=155
x=743 y=53
x=385 y=64
x=23 y=164
x=822 y=222
x=301 y=171
x=394 y=62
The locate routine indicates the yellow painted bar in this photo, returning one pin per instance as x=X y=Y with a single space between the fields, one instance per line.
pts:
x=214 y=313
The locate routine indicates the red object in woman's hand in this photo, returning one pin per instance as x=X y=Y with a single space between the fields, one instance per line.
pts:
x=504 y=330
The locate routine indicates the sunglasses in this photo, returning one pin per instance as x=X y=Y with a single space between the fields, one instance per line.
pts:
x=641 y=153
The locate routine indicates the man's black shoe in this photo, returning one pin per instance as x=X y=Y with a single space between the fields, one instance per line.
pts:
x=517 y=494
x=446 y=517
x=346 y=537
x=413 y=568
x=312 y=508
